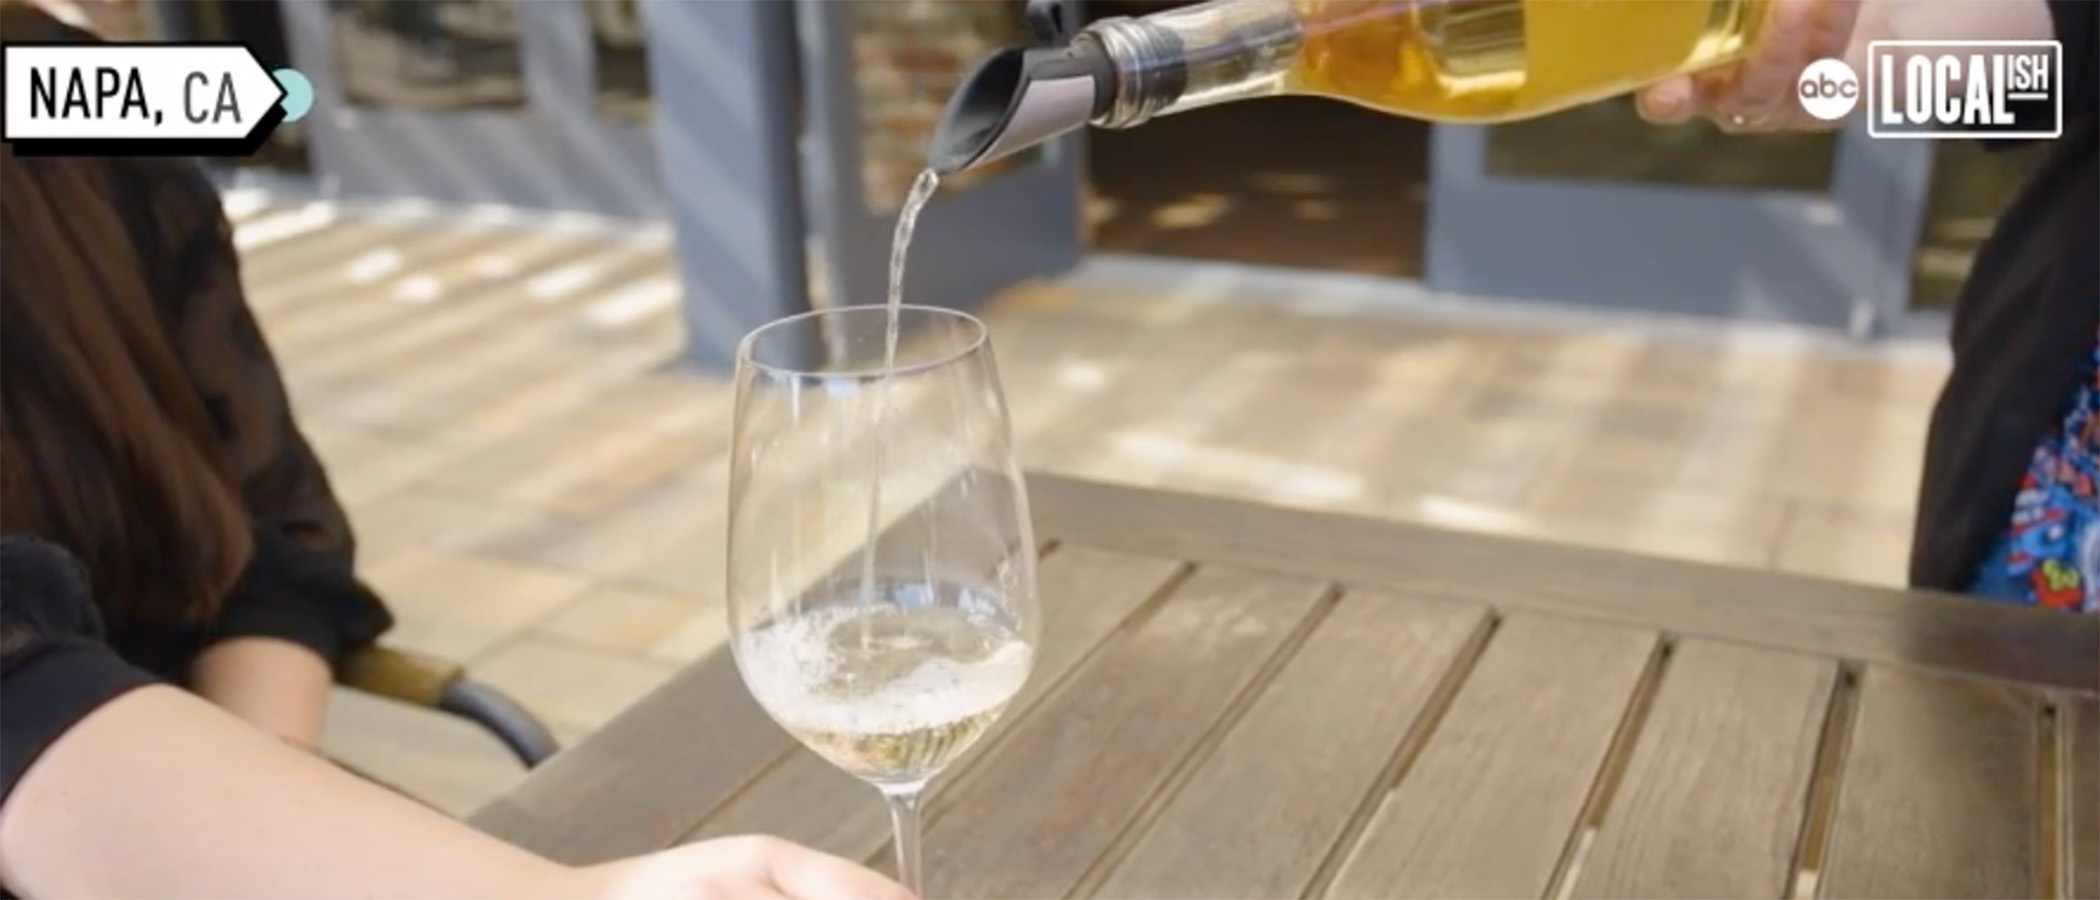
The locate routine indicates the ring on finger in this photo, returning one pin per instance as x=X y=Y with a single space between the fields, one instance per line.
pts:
x=1752 y=122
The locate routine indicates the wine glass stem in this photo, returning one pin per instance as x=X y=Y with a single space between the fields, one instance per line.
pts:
x=904 y=820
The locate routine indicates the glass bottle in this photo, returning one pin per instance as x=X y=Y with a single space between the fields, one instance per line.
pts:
x=1462 y=61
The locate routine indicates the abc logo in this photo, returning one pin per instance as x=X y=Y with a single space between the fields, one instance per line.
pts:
x=1829 y=89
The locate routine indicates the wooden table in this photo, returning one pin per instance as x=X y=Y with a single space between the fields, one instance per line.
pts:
x=1234 y=700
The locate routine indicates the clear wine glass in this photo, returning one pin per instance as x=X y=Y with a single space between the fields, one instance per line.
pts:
x=882 y=586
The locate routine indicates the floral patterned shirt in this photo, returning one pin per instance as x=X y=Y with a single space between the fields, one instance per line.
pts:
x=2050 y=553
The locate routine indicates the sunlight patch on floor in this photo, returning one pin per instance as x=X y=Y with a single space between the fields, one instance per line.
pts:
x=1256 y=471
x=240 y=203
x=373 y=265
x=493 y=214
x=410 y=208
x=1084 y=375
x=562 y=281
x=635 y=303
x=498 y=264
x=1197 y=412
x=1192 y=212
x=265 y=230
x=418 y=289
x=1446 y=511
x=1509 y=456
x=1716 y=437
x=1299 y=183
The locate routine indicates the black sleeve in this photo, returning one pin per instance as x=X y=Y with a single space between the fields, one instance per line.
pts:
x=2078 y=29
x=292 y=593
x=54 y=668
x=2074 y=25
x=300 y=586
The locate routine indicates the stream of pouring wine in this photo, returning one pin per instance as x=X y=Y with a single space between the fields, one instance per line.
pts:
x=922 y=189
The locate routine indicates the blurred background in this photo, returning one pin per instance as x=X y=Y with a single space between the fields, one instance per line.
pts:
x=1355 y=186
x=504 y=259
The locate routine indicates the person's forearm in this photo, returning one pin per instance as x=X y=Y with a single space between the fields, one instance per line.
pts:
x=158 y=794
x=275 y=685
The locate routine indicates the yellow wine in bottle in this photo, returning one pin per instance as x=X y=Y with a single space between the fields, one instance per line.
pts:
x=1465 y=61
x=1498 y=60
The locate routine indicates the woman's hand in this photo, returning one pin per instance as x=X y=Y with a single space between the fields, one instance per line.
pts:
x=1758 y=94
x=737 y=868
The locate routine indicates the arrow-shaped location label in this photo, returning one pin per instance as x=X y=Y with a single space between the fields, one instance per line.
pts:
x=81 y=99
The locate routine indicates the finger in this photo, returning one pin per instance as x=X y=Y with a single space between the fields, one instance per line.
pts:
x=1710 y=89
x=804 y=874
x=1714 y=94
x=694 y=870
x=1668 y=102
x=1831 y=34
x=1765 y=88
x=741 y=890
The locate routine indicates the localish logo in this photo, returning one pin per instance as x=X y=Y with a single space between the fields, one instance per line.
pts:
x=142 y=99
x=1828 y=89
x=1965 y=89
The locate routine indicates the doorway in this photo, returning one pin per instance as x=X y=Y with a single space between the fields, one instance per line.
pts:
x=1293 y=182
x=1594 y=206
x=534 y=103
x=874 y=77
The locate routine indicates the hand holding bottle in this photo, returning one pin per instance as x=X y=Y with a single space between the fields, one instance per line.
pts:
x=1758 y=94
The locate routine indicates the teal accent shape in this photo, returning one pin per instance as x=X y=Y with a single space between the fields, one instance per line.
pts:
x=298 y=93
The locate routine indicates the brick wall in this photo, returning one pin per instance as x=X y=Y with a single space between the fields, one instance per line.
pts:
x=909 y=56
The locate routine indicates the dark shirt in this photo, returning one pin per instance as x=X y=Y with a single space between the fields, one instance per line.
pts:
x=299 y=586
x=54 y=667
x=2022 y=334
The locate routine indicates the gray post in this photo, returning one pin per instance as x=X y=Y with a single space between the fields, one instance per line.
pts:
x=166 y=20
x=726 y=90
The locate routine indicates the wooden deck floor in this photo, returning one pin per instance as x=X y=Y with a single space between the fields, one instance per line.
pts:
x=539 y=492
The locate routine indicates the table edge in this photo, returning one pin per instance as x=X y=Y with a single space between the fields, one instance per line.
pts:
x=1862 y=623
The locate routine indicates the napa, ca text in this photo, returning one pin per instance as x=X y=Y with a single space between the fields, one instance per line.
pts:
x=104 y=92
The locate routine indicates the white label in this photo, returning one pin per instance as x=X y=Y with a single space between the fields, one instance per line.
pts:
x=1965 y=89
x=67 y=93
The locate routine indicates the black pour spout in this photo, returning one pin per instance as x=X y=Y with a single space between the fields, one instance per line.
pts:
x=1021 y=97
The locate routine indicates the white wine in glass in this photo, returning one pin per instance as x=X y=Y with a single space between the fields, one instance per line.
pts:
x=881 y=561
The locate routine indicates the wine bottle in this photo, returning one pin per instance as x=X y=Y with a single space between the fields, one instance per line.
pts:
x=1461 y=61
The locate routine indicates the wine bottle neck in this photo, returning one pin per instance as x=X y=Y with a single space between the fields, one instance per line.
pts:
x=1195 y=56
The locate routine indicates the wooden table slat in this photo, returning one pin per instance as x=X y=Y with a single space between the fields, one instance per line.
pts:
x=1045 y=804
x=1713 y=799
x=2082 y=807
x=1085 y=595
x=1808 y=615
x=1257 y=818
x=1489 y=806
x=1938 y=796
x=643 y=779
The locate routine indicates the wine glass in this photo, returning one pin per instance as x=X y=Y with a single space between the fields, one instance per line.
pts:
x=882 y=585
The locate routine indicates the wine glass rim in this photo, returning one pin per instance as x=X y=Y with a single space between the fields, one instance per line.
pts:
x=980 y=333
